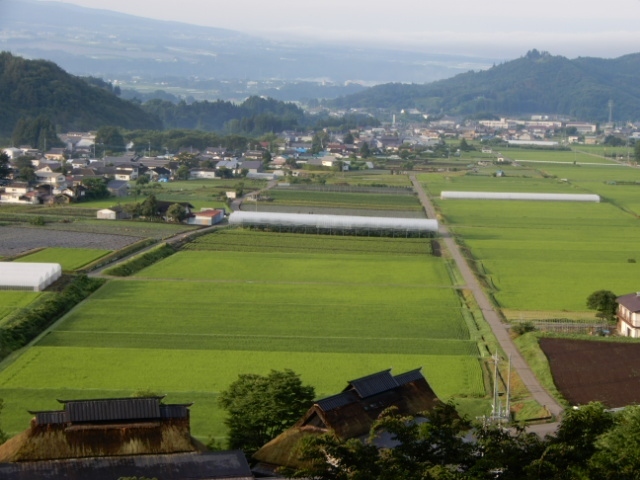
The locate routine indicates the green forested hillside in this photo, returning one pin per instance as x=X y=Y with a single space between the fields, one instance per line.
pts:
x=36 y=88
x=535 y=83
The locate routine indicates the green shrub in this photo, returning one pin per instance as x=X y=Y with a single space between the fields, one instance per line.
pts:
x=31 y=322
x=141 y=261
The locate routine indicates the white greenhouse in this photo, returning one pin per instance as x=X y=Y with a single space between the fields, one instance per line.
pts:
x=548 y=197
x=329 y=223
x=28 y=276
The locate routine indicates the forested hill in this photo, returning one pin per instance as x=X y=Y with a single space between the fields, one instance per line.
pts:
x=36 y=88
x=535 y=83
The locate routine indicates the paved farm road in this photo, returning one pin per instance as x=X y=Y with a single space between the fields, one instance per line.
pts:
x=489 y=312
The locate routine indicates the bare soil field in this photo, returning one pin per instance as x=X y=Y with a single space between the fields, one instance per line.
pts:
x=16 y=240
x=587 y=370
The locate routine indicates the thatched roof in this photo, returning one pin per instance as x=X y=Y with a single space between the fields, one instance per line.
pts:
x=351 y=413
x=103 y=427
x=195 y=466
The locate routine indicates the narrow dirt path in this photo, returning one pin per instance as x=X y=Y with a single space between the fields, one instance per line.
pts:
x=490 y=314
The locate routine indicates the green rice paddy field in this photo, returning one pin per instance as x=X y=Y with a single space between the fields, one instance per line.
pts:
x=190 y=324
x=68 y=258
x=10 y=301
x=549 y=256
x=344 y=200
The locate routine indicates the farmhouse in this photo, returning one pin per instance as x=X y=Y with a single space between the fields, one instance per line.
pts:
x=28 y=276
x=351 y=413
x=115 y=438
x=628 y=314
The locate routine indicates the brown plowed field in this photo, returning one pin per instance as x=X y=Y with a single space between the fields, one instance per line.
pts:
x=585 y=371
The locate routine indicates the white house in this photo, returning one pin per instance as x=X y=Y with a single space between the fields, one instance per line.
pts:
x=46 y=176
x=628 y=314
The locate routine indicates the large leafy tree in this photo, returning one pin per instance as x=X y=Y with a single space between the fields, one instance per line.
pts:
x=149 y=207
x=604 y=301
x=260 y=407
x=618 y=449
x=5 y=168
x=177 y=212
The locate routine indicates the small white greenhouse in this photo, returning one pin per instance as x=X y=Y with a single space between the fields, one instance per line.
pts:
x=548 y=197
x=324 y=223
x=28 y=276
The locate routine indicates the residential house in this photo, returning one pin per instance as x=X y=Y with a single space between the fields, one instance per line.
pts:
x=19 y=192
x=162 y=207
x=628 y=314
x=157 y=174
x=351 y=413
x=252 y=166
x=127 y=174
x=111 y=438
x=55 y=180
x=56 y=154
x=118 y=188
x=209 y=173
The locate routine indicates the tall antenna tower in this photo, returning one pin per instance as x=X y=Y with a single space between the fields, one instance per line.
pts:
x=610 y=104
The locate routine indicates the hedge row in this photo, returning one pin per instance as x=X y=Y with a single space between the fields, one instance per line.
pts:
x=28 y=324
x=141 y=261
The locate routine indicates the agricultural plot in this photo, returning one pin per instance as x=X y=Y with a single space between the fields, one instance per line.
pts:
x=10 y=301
x=68 y=258
x=241 y=240
x=368 y=178
x=344 y=200
x=190 y=324
x=548 y=256
x=594 y=371
x=16 y=240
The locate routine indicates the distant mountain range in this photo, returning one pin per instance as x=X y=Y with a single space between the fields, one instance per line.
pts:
x=534 y=84
x=111 y=45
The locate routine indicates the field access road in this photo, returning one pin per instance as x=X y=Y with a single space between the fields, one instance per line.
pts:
x=490 y=314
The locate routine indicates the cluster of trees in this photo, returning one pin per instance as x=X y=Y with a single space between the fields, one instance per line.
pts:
x=590 y=443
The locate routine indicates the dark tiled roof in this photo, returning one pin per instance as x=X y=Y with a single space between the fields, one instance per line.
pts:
x=111 y=410
x=630 y=301
x=373 y=384
x=337 y=401
x=411 y=376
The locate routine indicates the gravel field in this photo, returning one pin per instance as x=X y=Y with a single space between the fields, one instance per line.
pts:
x=16 y=240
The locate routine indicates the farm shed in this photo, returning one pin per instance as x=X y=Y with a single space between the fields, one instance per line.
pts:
x=351 y=413
x=548 y=197
x=207 y=217
x=329 y=223
x=115 y=213
x=28 y=276
x=628 y=314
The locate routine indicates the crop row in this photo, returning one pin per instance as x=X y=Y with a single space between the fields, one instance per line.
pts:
x=255 y=241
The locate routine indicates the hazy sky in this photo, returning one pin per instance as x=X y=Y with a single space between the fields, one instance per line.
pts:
x=494 y=28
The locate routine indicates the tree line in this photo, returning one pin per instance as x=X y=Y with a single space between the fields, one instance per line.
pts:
x=590 y=442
